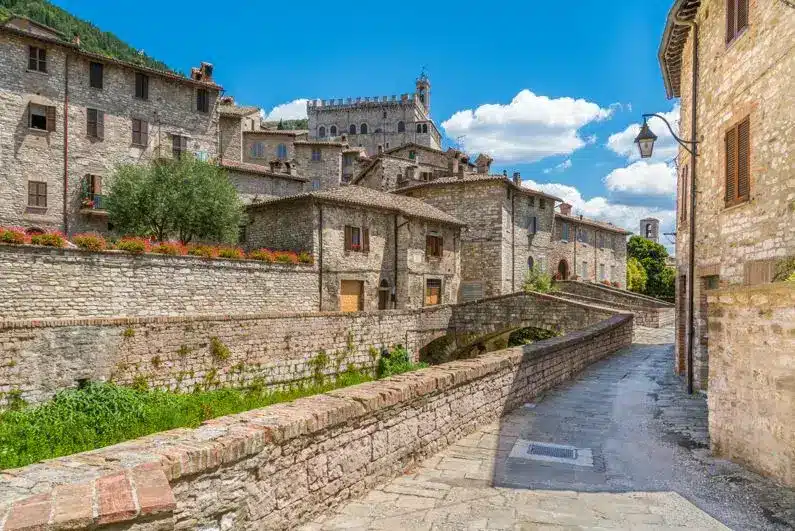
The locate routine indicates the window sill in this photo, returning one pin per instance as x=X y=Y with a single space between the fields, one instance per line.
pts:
x=737 y=37
x=139 y=146
x=94 y=88
x=39 y=72
x=734 y=206
x=40 y=210
x=38 y=131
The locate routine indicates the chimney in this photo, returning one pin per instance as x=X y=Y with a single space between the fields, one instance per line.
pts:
x=517 y=178
x=565 y=209
x=461 y=171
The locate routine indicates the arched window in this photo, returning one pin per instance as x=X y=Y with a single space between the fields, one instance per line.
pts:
x=648 y=230
x=563 y=270
x=401 y=127
x=281 y=152
x=363 y=129
x=321 y=132
x=352 y=129
x=257 y=150
x=333 y=130
x=424 y=128
x=419 y=128
x=530 y=263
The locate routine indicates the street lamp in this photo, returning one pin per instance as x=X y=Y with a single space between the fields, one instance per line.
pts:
x=646 y=138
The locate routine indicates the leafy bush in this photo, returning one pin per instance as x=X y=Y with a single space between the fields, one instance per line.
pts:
x=524 y=336
x=286 y=257
x=219 y=351
x=48 y=239
x=636 y=276
x=305 y=258
x=169 y=248
x=90 y=241
x=264 y=255
x=13 y=235
x=206 y=251
x=234 y=253
x=537 y=280
x=133 y=245
x=396 y=361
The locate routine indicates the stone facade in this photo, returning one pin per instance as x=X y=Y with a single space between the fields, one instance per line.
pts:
x=752 y=76
x=752 y=377
x=275 y=467
x=501 y=235
x=39 y=282
x=393 y=273
x=71 y=150
x=389 y=122
x=588 y=250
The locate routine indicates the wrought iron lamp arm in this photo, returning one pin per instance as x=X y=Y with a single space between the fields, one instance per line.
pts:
x=682 y=142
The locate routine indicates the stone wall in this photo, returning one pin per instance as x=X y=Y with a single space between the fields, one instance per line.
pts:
x=754 y=77
x=41 y=356
x=39 y=282
x=324 y=173
x=752 y=377
x=276 y=467
x=648 y=311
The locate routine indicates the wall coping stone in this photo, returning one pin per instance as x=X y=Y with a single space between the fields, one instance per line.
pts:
x=153 y=461
x=631 y=294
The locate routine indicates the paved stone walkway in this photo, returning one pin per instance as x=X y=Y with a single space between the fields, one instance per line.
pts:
x=642 y=463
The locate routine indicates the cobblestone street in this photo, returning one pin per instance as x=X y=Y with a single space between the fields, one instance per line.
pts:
x=641 y=462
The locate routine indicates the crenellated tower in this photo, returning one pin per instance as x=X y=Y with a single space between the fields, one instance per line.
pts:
x=424 y=91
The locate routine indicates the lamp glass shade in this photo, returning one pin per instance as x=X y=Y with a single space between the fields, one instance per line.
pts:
x=645 y=141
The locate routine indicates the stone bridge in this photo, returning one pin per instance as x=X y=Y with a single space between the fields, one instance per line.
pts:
x=648 y=311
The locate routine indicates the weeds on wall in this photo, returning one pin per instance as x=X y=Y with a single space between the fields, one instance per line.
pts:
x=396 y=361
x=218 y=350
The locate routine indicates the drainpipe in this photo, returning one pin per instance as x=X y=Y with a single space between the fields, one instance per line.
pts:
x=395 y=283
x=66 y=148
x=320 y=259
x=691 y=263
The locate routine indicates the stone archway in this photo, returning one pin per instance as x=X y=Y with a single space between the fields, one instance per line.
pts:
x=563 y=269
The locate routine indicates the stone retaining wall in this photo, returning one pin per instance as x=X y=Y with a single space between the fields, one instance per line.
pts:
x=41 y=282
x=276 y=467
x=752 y=377
x=648 y=310
x=39 y=357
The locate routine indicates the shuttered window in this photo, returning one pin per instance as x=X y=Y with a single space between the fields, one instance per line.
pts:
x=357 y=239
x=202 y=100
x=433 y=291
x=95 y=123
x=142 y=86
x=179 y=145
x=738 y=163
x=140 y=132
x=37 y=194
x=532 y=227
x=736 y=18
x=433 y=246
x=95 y=75
x=37 y=59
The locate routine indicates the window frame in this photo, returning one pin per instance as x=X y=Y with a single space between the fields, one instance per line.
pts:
x=438 y=283
x=37 y=59
x=363 y=234
x=202 y=100
x=434 y=246
x=352 y=129
x=565 y=232
x=401 y=126
x=735 y=24
x=321 y=131
x=143 y=132
x=143 y=94
x=98 y=122
x=332 y=131
x=44 y=112
x=92 y=80
x=257 y=150
x=281 y=152
x=178 y=150
x=35 y=191
x=317 y=155
x=532 y=225
x=732 y=140
x=363 y=129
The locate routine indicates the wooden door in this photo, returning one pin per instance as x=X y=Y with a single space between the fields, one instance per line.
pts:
x=433 y=291
x=351 y=295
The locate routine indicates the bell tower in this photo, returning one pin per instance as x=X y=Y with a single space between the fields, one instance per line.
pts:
x=424 y=90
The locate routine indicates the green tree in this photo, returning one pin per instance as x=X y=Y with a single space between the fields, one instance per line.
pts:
x=636 y=276
x=280 y=127
x=184 y=198
x=651 y=255
x=537 y=280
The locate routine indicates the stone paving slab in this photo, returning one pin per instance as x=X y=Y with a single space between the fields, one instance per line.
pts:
x=650 y=454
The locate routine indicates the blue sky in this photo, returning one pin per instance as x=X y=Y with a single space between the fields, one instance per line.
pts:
x=541 y=85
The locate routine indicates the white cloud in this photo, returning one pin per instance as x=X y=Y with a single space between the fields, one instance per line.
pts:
x=602 y=209
x=643 y=178
x=665 y=148
x=294 y=110
x=563 y=166
x=528 y=129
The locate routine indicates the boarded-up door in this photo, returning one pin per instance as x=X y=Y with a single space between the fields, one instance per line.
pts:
x=433 y=291
x=351 y=295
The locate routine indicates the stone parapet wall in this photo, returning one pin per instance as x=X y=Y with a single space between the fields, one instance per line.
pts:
x=183 y=353
x=276 y=467
x=38 y=282
x=752 y=377
x=647 y=312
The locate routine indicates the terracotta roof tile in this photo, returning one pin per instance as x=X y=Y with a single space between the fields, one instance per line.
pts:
x=476 y=178
x=236 y=110
x=369 y=198
x=593 y=223
x=247 y=167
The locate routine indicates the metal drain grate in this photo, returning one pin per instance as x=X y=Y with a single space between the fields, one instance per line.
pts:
x=560 y=452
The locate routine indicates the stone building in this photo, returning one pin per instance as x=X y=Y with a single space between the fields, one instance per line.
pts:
x=588 y=250
x=377 y=124
x=375 y=251
x=509 y=228
x=740 y=110
x=68 y=116
x=650 y=229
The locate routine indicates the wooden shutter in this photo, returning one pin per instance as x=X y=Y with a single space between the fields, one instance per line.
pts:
x=51 y=118
x=731 y=165
x=101 y=125
x=365 y=240
x=742 y=16
x=348 y=237
x=744 y=160
x=183 y=144
x=731 y=20
x=144 y=133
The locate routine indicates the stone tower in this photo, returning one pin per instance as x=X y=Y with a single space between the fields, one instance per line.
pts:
x=424 y=91
x=650 y=229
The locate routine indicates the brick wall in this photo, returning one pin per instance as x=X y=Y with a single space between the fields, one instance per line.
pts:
x=45 y=283
x=276 y=467
x=752 y=377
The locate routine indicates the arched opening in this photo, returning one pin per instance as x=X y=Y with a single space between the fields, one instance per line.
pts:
x=383 y=295
x=563 y=270
x=352 y=129
x=419 y=128
x=530 y=263
x=401 y=127
x=363 y=129
x=424 y=128
x=333 y=130
x=321 y=132
x=648 y=230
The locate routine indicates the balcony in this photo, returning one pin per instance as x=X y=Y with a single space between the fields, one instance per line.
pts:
x=93 y=205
